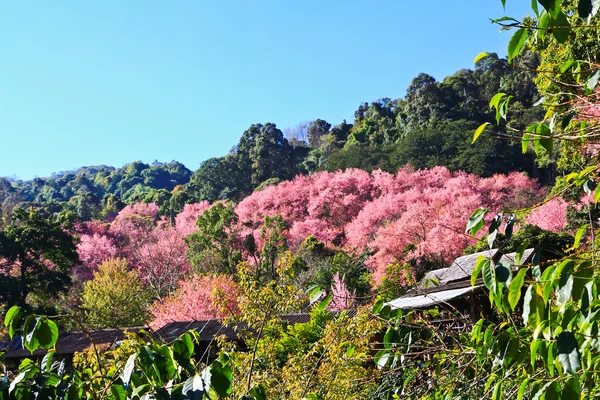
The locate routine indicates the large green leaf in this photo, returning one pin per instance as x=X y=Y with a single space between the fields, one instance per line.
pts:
x=551 y=6
x=572 y=389
x=489 y=276
x=497 y=395
x=516 y=43
x=478 y=131
x=568 y=352
x=514 y=290
x=503 y=272
x=481 y=56
x=560 y=26
x=31 y=341
x=579 y=235
x=481 y=260
x=533 y=306
x=476 y=221
x=12 y=319
x=47 y=333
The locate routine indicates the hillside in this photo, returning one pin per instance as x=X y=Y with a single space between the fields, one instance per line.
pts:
x=430 y=126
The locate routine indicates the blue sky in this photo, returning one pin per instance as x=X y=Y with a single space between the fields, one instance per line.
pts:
x=110 y=82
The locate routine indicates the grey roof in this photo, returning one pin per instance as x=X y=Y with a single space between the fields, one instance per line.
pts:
x=69 y=343
x=463 y=267
x=209 y=329
x=430 y=278
x=525 y=258
x=429 y=299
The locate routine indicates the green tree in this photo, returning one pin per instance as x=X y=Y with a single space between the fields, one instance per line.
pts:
x=115 y=298
x=215 y=247
x=36 y=256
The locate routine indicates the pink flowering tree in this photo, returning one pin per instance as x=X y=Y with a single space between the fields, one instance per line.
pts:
x=161 y=258
x=194 y=300
x=134 y=222
x=185 y=222
x=551 y=216
x=93 y=250
x=341 y=298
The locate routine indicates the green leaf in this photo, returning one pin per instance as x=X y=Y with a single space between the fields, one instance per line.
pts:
x=324 y=303
x=496 y=100
x=503 y=272
x=533 y=347
x=481 y=260
x=31 y=341
x=381 y=358
x=565 y=289
x=533 y=306
x=516 y=43
x=596 y=195
x=47 y=333
x=47 y=361
x=377 y=306
x=478 y=131
x=476 y=221
x=493 y=229
x=391 y=338
x=572 y=389
x=489 y=276
x=508 y=230
x=579 y=235
x=551 y=6
x=524 y=384
x=519 y=253
x=480 y=57
x=221 y=378
x=525 y=142
x=497 y=395
x=592 y=81
x=560 y=26
x=12 y=319
x=514 y=290
x=568 y=353
x=350 y=351
x=315 y=294
x=118 y=392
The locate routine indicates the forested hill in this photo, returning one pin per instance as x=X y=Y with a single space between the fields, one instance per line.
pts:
x=431 y=125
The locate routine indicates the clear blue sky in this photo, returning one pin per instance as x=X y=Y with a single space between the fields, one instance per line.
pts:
x=110 y=82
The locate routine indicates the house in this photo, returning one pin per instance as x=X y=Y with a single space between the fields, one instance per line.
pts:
x=451 y=289
x=107 y=339
x=68 y=344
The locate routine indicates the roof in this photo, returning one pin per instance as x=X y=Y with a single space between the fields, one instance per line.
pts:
x=71 y=342
x=208 y=329
x=429 y=299
x=454 y=281
x=526 y=257
x=463 y=267
x=433 y=278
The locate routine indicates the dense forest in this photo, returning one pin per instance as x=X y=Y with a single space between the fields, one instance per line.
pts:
x=301 y=240
x=430 y=126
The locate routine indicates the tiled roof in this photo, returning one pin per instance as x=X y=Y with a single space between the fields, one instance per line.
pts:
x=525 y=258
x=463 y=267
x=210 y=328
x=70 y=342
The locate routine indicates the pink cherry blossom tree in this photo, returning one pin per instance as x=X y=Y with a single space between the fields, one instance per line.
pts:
x=194 y=300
